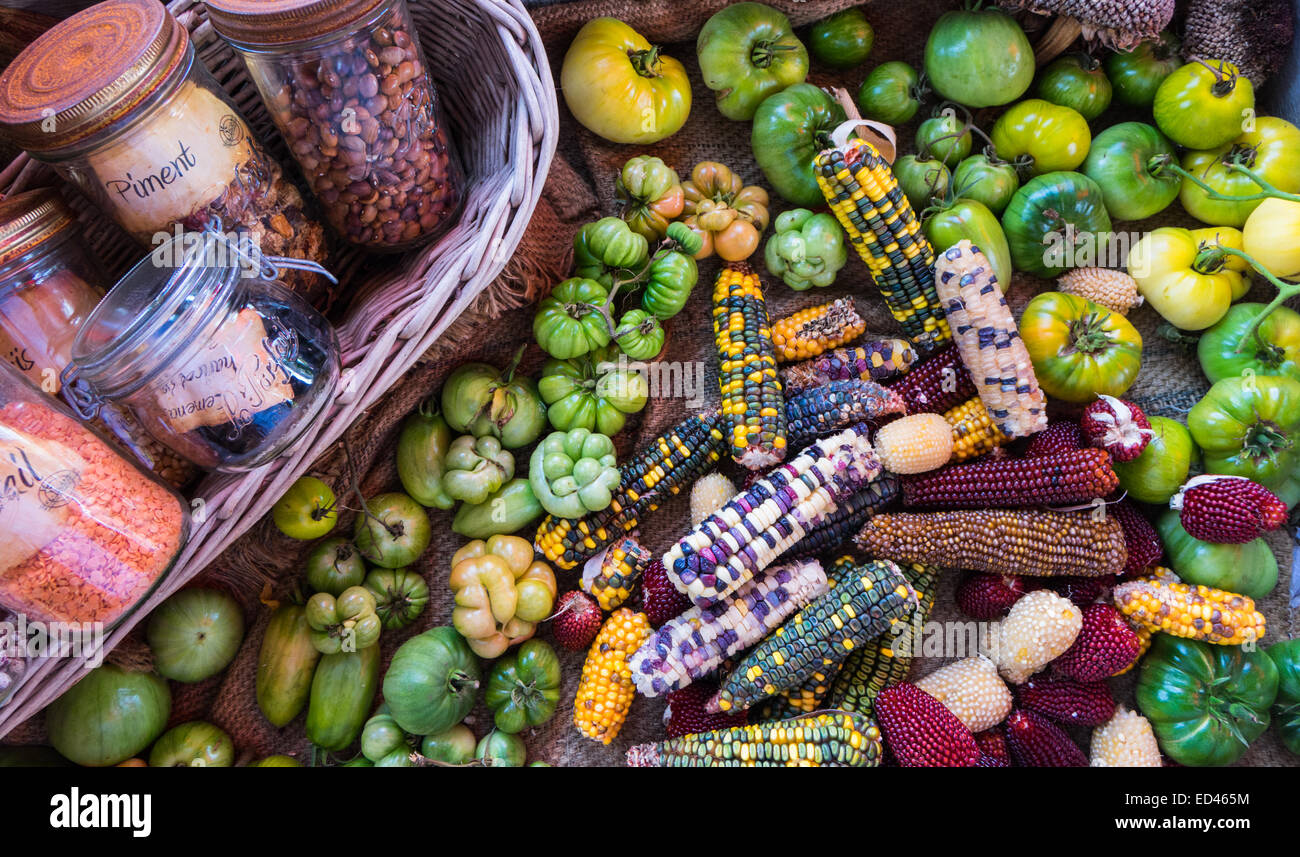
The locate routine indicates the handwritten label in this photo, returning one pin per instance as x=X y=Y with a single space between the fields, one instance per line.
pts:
x=38 y=489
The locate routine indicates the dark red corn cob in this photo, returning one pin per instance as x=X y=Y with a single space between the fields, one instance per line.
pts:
x=660 y=600
x=936 y=384
x=686 y=715
x=988 y=596
x=1036 y=742
x=1057 y=437
x=993 y=745
x=1063 y=477
x=921 y=732
x=989 y=762
x=576 y=621
x=1069 y=702
x=1229 y=510
x=1083 y=591
x=1106 y=645
x=1116 y=426
x=1140 y=538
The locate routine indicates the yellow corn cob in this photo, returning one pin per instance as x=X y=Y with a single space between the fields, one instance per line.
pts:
x=753 y=406
x=915 y=444
x=973 y=431
x=809 y=332
x=864 y=196
x=989 y=341
x=1185 y=610
x=610 y=576
x=605 y=690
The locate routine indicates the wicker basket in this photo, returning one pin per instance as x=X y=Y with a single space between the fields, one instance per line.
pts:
x=499 y=96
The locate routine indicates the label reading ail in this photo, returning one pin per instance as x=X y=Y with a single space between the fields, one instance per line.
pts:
x=38 y=491
x=237 y=375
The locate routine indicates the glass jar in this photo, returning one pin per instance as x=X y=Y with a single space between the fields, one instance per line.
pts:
x=115 y=100
x=49 y=284
x=347 y=85
x=85 y=533
x=13 y=661
x=216 y=359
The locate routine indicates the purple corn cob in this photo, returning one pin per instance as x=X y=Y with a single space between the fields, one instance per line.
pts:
x=877 y=360
x=831 y=407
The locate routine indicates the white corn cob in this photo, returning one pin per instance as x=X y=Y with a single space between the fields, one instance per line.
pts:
x=758 y=525
x=708 y=494
x=698 y=641
x=1038 y=630
x=1125 y=741
x=972 y=690
x=989 y=341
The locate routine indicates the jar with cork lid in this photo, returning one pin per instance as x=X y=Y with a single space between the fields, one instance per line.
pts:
x=347 y=84
x=116 y=101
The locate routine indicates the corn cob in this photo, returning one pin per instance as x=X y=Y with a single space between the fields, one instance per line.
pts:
x=1125 y=741
x=936 y=384
x=605 y=690
x=1115 y=290
x=887 y=659
x=1166 y=604
x=999 y=541
x=1039 y=629
x=990 y=343
x=611 y=575
x=827 y=739
x=866 y=603
x=835 y=406
x=915 y=444
x=971 y=689
x=809 y=332
x=753 y=406
x=865 y=197
x=877 y=360
x=1066 y=477
x=973 y=431
x=708 y=495
x=837 y=528
x=759 y=524
x=670 y=461
x=695 y=643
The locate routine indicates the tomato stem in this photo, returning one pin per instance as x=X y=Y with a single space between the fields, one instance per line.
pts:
x=1268 y=190
x=1087 y=334
x=1224 y=81
x=1285 y=290
x=645 y=63
x=765 y=53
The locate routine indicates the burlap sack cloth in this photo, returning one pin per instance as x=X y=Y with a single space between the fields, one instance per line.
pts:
x=579 y=188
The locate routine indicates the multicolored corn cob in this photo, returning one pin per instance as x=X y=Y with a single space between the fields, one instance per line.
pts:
x=839 y=404
x=865 y=197
x=986 y=333
x=937 y=384
x=1227 y=509
x=695 y=643
x=611 y=575
x=865 y=604
x=815 y=330
x=708 y=495
x=836 y=529
x=762 y=522
x=999 y=541
x=1192 y=611
x=670 y=461
x=753 y=406
x=887 y=659
x=1068 y=477
x=877 y=360
x=915 y=444
x=973 y=431
x=605 y=691
x=829 y=739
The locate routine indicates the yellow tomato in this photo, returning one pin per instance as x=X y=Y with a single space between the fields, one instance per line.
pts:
x=1272 y=236
x=1177 y=276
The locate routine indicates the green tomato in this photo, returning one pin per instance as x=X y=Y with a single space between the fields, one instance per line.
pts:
x=805 y=249
x=790 y=128
x=193 y=745
x=381 y=737
x=944 y=137
x=400 y=596
x=748 y=51
x=671 y=278
x=1126 y=163
x=523 y=687
x=432 y=681
x=195 y=634
x=1206 y=703
x=482 y=400
x=394 y=532
x=1250 y=568
x=592 y=391
x=923 y=180
x=475 y=467
x=454 y=746
x=979 y=58
x=1078 y=82
x=1226 y=351
x=890 y=94
x=1204 y=105
x=1136 y=75
x=1271 y=150
x=608 y=249
x=568 y=322
x=1248 y=427
x=507 y=511
x=1051 y=137
x=420 y=450
x=500 y=749
x=334 y=565
x=306 y=510
x=108 y=716
x=1161 y=468
x=639 y=334
x=1080 y=349
x=1048 y=213
x=651 y=194
x=344 y=624
x=968 y=219
x=573 y=473
x=983 y=179
x=1286 y=657
x=843 y=40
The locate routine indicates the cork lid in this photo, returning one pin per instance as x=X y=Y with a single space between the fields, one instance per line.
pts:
x=281 y=22
x=30 y=218
x=89 y=71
